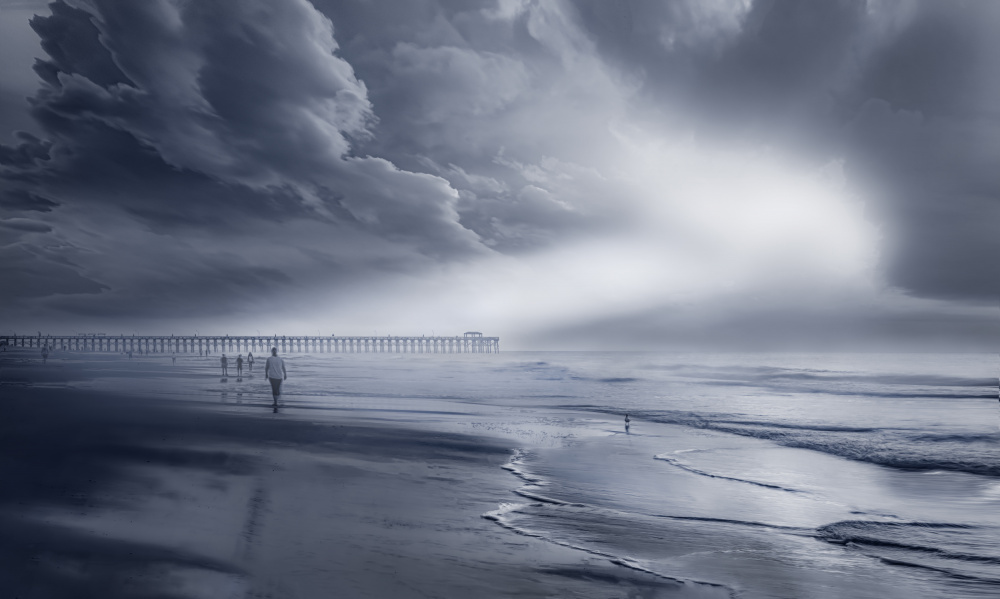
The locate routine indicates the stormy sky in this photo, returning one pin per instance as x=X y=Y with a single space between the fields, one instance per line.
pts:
x=725 y=174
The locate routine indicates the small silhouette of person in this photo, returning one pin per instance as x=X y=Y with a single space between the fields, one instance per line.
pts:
x=250 y=362
x=173 y=359
x=225 y=365
x=628 y=421
x=239 y=365
x=274 y=370
x=45 y=354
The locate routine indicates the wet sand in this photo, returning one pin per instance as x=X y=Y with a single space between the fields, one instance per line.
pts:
x=131 y=494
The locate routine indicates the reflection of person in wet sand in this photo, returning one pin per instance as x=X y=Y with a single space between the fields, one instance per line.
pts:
x=274 y=370
x=225 y=365
x=239 y=365
x=627 y=422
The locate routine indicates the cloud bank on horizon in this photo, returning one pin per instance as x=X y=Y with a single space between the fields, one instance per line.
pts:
x=584 y=174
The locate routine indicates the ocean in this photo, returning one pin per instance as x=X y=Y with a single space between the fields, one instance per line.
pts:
x=752 y=475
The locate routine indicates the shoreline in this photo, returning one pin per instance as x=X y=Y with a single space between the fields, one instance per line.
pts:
x=395 y=476
x=119 y=495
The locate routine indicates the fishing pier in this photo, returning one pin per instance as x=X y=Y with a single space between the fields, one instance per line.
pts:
x=469 y=343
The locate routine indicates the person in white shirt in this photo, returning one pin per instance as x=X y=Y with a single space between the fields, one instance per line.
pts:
x=274 y=370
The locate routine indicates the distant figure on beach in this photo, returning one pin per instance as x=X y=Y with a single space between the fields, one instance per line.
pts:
x=173 y=359
x=628 y=421
x=45 y=354
x=225 y=365
x=274 y=370
x=239 y=365
x=250 y=362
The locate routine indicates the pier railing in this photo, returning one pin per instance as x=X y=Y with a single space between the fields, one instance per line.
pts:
x=216 y=344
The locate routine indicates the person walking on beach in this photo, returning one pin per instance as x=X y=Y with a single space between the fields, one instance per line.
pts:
x=250 y=362
x=173 y=359
x=239 y=365
x=225 y=365
x=45 y=354
x=274 y=370
x=627 y=421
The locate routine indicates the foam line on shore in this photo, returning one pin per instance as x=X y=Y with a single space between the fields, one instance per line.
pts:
x=899 y=448
x=946 y=571
x=790 y=529
x=675 y=462
x=526 y=491
x=625 y=562
x=497 y=516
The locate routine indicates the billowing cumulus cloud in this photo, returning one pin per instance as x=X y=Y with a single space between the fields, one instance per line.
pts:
x=244 y=93
x=563 y=172
x=25 y=224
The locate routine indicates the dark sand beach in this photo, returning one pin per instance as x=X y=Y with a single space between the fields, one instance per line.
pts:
x=754 y=476
x=128 y=494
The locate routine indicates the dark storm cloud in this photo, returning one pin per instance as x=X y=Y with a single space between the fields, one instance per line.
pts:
x=70 y=39
x=942 y=199
x=245 y=93
x=33 y=4
x=204 y=289
x=929 y=136
x=207 y=158
x=25 y=224
x=905 y=92
x=738 y=66
x=29 y=152
x=799 y=76
x=33 y=272
x=20 y=200
x=482 y=94
x=229 y=117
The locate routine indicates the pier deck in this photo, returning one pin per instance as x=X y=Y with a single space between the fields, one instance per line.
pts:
x=469 y=343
